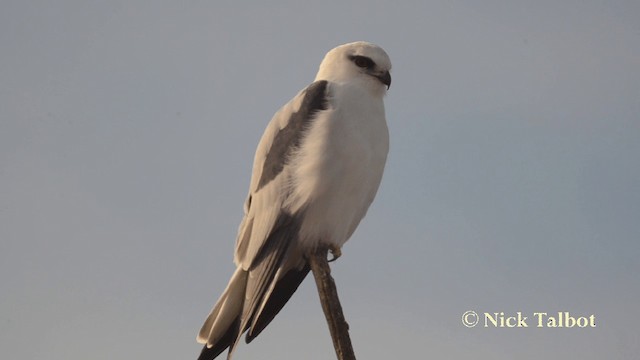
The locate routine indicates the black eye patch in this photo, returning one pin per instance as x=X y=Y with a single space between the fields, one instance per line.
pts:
x=363 y=62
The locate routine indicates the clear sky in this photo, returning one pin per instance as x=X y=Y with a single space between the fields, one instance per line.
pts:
x=127 y=132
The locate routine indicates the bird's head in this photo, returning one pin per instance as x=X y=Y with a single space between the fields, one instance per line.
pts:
x=358 y=61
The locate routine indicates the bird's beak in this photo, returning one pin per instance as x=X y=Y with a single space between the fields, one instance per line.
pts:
x=385 y=78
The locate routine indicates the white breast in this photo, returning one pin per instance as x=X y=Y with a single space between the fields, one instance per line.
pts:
x=337 y=171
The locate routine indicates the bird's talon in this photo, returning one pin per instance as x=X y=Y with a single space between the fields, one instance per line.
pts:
x=336 y=252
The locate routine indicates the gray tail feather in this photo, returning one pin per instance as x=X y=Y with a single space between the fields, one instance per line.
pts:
x=210 y=353
x=254 y=297
x=280 y=296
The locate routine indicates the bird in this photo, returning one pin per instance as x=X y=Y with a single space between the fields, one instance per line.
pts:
x=316 y=171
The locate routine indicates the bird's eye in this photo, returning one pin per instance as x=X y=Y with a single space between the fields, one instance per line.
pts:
x=363 y=62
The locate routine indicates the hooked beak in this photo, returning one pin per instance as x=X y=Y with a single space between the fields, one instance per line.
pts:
x=385 y=78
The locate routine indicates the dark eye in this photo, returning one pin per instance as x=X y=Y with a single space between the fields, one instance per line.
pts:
x=363 y=62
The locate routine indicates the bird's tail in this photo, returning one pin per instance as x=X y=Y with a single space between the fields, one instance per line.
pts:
x=222 y=327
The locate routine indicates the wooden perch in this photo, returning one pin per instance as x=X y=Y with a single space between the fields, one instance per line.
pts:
x=338 y=326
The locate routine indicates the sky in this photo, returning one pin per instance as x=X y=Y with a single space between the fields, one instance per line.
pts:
x=127 y=132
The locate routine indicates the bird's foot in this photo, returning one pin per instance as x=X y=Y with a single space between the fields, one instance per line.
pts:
x=336 y=252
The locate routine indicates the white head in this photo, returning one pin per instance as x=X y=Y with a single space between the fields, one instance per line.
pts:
x=358 y=61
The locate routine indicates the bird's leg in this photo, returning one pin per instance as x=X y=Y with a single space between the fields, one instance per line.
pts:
x=336 y=252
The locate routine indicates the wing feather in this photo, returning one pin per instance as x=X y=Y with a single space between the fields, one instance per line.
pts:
x=270 y=178
x=269 y=260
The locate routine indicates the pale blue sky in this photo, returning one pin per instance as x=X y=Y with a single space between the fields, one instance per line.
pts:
x=127 y=131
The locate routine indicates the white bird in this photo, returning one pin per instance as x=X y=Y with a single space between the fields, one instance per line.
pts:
x=315 y=173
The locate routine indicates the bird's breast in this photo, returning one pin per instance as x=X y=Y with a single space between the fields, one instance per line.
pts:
x=337 y=170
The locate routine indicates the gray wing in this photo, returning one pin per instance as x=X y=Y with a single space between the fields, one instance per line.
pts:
x=270 y=265
x=270 y=177
x=267 y=240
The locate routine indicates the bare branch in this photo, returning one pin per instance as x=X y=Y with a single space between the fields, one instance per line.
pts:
x=338 y=326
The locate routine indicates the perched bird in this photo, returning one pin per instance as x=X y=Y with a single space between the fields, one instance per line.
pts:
x=315 y=173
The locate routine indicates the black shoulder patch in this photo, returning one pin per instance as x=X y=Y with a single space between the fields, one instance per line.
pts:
x=288 y=138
